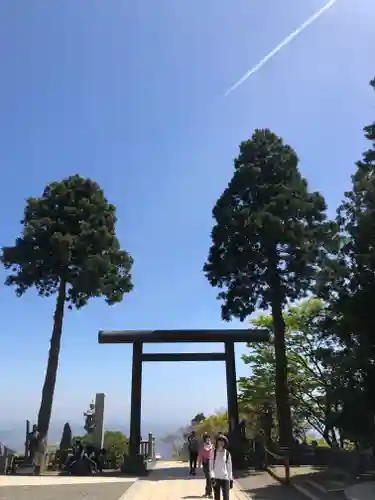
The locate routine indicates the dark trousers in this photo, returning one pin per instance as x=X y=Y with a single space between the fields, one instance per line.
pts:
x=193 y=457
x=260 y=456
x=206 y=472
x=223 y=486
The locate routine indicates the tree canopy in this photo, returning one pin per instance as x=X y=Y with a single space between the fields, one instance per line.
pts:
x=69 y=239
x=213 y=425
x=270 y=234
x=68 y=246
x=312 y=387
x=115 y=442
x=330 y=345
x=348 y=286
x=199 y=417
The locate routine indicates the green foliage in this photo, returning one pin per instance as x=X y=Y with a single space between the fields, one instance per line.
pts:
x=356 y=288
x=69 y=234
x=269 y=229
x=213 y=424
x=218 y=423
x=68 y=246
x=82 y=439
x=199 y=417
x=116 y=442
x=269 y=236
x=310 y=381
x=349 y=287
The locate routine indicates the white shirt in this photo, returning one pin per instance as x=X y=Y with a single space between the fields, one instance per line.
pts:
x=221 y=467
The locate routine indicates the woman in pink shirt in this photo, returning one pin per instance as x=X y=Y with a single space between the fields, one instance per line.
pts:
x=204 y=457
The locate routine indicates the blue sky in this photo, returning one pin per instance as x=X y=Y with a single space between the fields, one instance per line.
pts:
x=131 y=94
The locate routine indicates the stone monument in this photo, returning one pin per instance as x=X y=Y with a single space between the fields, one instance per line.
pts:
x=94 y=421
x=33 y=443
x=89 y=419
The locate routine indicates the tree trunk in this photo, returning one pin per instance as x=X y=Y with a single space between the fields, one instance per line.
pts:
x=342 y=438
x=282 y=391
x=326 y=436
x=45 y=409
x=334 y=438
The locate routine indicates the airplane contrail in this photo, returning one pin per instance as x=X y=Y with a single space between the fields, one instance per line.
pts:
x=281 y=45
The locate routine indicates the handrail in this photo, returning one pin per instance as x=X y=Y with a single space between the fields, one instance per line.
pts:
x=286 y=465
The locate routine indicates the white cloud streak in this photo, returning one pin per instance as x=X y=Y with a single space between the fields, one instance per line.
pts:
x=281 y=45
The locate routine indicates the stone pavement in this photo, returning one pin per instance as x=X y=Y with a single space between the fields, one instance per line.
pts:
x=49 y=480
x=63 y=487
x=167 y=481
x=364 y=491
x=170 y=481
x=259 y=485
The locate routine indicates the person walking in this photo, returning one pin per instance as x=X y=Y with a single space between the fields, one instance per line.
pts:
x=193 y=447
x=260 y=450
x=204 y=457
x=221 y=472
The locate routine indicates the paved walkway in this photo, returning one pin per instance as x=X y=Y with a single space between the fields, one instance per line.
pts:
x=170 y=481
x=364 y=491
x=14 y=481
x=64 y=487
x=167 y=481
x=259 y=485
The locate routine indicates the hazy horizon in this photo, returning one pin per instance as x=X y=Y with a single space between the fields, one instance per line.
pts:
x=12 y=435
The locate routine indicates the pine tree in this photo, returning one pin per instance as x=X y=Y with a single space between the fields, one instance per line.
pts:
x=68 y=248
x=268 y=238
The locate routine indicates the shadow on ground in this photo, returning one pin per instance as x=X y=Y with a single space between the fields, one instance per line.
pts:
x=183 y=473
x=238 y=474
x=261 y=486
x=104 y=474
x=331 y=479
x=274 y=492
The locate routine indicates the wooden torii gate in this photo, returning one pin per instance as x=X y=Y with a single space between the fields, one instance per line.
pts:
x=140 y=337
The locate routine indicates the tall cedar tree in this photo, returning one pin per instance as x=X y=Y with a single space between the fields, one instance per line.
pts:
x=267 y=241
x=68 y=247
x=353 y=290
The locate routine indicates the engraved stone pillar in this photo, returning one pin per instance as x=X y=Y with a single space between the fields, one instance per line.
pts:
x=98 y=432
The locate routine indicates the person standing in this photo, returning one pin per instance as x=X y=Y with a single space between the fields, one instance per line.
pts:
x=101 y=459
x=193 y=447
x=204 y=459
x=221 y=472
